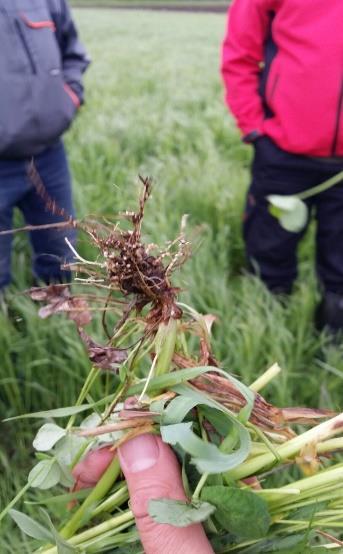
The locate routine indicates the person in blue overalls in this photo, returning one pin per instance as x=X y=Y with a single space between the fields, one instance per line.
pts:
x=41 y=68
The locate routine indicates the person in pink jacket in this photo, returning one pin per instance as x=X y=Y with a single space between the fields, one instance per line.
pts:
x=282 y=67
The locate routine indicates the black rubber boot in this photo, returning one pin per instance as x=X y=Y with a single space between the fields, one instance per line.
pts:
x=329 y=314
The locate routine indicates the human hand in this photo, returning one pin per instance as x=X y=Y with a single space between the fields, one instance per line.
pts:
x=151 y=471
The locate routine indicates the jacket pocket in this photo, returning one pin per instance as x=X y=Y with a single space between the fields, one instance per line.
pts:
x=37 y=31
x=72 y=95
x=40 y=24
x=17 y=121
x=55 y=116
x=34 y=113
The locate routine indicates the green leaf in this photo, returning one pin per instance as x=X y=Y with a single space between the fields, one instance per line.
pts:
x=248 y=394
x=42 y=456
x=67 y=448
x=241 y=512
x=188 y=398
x=63 y=547
x=45 y=474
x=58 y=412
x=158 y=405
x=291 y=212
x=205 y=456
x=274 y=211
x=178 y=408
x=48 y=435
x=30 y=527
x=168 y=380
x=202 y=398
x=92 y=420
x=219 y=420
x=179 y=513
x=230 y=441
x=60 y=498
x=66 y=477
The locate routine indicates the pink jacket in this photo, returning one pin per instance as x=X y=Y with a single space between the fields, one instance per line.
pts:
x=301 y=106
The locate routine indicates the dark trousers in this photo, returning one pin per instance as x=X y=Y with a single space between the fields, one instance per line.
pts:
x=49 y=247
x=272 y=251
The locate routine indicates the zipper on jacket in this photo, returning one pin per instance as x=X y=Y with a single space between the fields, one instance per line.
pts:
x=338 y=119
x=26 y=47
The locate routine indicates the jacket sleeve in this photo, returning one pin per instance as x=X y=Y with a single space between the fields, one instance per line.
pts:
x=242 y=57
x=74 y=57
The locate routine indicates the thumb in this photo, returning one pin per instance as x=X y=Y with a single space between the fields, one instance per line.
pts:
x=152 y=471
x=88 y=472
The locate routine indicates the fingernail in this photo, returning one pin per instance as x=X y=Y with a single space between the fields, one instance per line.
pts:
x=139 y=453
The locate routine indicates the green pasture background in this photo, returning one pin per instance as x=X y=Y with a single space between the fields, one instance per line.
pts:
x=155 y=107
x=129 y=3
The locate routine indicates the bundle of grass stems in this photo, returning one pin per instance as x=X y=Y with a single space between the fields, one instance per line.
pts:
x=160 y=376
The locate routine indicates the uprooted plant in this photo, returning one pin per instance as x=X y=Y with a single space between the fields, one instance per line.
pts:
x=162 y=377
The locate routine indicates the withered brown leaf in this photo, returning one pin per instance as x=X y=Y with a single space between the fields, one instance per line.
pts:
x=60 y=300
x=103 y=357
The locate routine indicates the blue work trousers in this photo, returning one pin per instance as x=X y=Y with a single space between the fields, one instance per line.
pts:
x=49 y=247
x=271 y=250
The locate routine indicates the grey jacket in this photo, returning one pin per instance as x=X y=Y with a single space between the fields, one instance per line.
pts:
x=41 y=67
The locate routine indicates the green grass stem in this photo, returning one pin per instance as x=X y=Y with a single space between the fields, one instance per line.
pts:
x=289 y=449
x=85 y=511
x=112 y=523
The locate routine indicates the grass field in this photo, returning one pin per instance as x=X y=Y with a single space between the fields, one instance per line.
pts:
x=154 y=107
x=95 y=3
